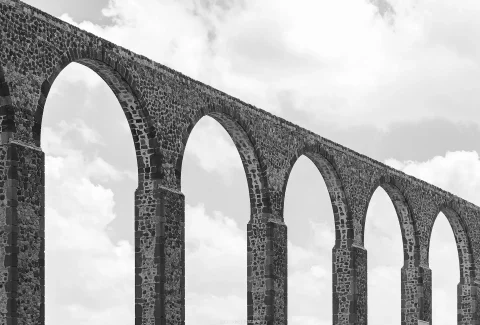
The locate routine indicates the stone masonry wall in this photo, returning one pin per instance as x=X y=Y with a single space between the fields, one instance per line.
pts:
x=162 y=106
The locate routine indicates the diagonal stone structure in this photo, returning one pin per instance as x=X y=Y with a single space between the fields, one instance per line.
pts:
x=162 y=106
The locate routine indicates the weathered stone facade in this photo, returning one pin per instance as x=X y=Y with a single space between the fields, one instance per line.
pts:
x=162 y=106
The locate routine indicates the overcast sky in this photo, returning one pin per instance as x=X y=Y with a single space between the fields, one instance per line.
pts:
x=397 y=81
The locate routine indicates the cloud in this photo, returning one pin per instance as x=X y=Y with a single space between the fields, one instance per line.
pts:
x=324 y=237
x=310 y=277
x=103 y=171
x=216 y=259
x=179 y=33
x=80 y=256
x=307 y=293
x=298 y=256
x=53 y=142
x=350 y=67
x=384 y=295
x=207 y=309
x=84 y=316
x=64 y=161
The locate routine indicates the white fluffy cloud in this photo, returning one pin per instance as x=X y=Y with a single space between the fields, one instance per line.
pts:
x=89 y=279
x=309 y=288
x=337 y=60
x=65 y=161
x=215 y=268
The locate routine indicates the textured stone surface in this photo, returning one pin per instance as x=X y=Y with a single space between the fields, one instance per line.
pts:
x=162 y=106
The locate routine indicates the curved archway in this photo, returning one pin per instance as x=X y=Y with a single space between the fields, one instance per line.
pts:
x=405 y=219
x=308 y=213
x=464 y=247
x=383 y=240
x=411 y=284
x=465 y=305
x=255 y=170
x=342 y=250
x=326 y=165
x=122 y=84
x=90 y=176
x=217 y=208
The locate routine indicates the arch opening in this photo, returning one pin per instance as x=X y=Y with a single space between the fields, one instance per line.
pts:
x=386 y=246
x=255 y=171
x=462 y=243
x=121 y=83
x=308 y=214
x=452 y=283
x=90 y=177
x=326 y=166
x=217 y=210
x=405 y=220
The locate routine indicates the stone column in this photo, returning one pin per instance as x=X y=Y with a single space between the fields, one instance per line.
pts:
x=267 y=273
x=416 y=295
x=466 y=302
x=159 y=256
x=22 y=222
x=349 y=285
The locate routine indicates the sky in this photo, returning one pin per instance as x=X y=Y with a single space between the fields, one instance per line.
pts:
x=396 y=81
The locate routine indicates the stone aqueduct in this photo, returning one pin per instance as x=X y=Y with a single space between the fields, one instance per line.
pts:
x=162 y=106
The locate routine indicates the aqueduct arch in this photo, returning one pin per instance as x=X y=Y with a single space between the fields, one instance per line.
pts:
x=325 y=164
x=254 y=171
x=466 y=288
x=116 y=77
x=412 y=289
x=404 y=215
x=162 y=106
x=464 y=247
x=257 y=185
x=342 y=246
